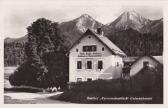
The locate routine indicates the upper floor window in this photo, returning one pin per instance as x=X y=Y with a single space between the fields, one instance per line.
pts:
x=100 y=64
x=76 y=49
x=89 y=64
x=117 y=64
x=79 y=64
x=89 y=48
x=103 y=49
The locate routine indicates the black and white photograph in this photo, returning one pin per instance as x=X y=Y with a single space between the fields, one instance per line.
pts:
x=83 y=53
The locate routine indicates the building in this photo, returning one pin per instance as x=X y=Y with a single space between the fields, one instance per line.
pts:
x=93 y=57
x=138 y=63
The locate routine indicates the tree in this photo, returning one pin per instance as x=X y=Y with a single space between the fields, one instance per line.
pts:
x=58 y=69
x=44 y=41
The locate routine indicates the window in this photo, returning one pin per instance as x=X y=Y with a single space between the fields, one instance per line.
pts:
x=100 y=64
x=85 y=48
x=76 y=49
x=99 y=79
x=89 y=64
x=79 y=79
x=89 y=48
x=103 y=49
x=117 y=64
x=89 y=79
x=79 y=64
x=93 y=48
x=145 y=63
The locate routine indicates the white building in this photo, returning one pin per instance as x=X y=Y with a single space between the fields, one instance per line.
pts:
x=94 y=57
x=151 y=61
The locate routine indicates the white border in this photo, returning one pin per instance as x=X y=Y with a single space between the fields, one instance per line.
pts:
x=163 y=3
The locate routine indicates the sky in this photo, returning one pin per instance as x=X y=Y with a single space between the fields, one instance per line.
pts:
x=18 y=16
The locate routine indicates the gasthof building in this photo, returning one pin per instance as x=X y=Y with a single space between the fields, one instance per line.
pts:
x=94 y=56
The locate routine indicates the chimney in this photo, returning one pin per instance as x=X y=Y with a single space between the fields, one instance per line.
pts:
x=99 y=31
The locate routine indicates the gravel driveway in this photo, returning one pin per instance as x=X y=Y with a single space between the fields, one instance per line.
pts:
x=31 y=98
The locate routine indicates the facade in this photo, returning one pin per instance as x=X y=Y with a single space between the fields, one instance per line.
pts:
x=141 y=62
x=94 y=57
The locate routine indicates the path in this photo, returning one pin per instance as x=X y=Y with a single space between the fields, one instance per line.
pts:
x=31 y=98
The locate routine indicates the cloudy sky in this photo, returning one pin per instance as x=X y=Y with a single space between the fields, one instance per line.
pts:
x=18 y=16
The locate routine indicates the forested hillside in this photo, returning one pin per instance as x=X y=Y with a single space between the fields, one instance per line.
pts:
x=134 y=43
x=14 y=53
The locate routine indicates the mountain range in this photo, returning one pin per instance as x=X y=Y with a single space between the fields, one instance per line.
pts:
x=127 y=28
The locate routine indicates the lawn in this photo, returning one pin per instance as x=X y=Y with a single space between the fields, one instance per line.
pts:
x=115 y=91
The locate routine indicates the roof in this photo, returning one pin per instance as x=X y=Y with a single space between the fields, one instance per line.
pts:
x=135 y=58
x=159 y=59
x=130 y=59
x=103 y=39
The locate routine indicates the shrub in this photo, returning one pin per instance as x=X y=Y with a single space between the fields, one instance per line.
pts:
x=28 y=74
x=24 y=75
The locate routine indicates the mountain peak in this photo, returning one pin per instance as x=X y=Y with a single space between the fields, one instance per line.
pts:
x=131 y=12
x=130 y=19
x=85 y=21
x=132 y=15
x=85 y=15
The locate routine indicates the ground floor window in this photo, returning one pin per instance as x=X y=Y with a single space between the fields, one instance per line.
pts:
x=79 y=79
x=89 y=79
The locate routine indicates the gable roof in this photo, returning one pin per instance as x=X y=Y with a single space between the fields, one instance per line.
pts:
x=130 y=59
x=136 y=58
x=159 y=59
x=152 y=57
x=103 y=39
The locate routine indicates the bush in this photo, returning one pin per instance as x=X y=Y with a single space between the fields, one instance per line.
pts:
x=24 y=75
x=24 y=89
x=28 y=74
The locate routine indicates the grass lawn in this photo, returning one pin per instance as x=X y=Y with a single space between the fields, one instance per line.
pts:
x=110 y=92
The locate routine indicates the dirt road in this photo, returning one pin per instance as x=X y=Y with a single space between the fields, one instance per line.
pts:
x=31 y=98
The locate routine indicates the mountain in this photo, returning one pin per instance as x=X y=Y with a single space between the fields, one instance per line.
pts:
x=128 y=32
x=73 y=29
x=81 y=23
x=136 y=35
x=131 y=19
